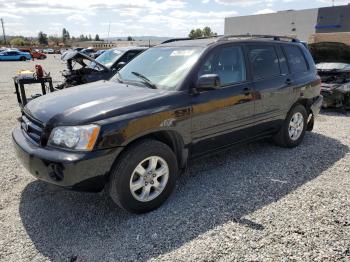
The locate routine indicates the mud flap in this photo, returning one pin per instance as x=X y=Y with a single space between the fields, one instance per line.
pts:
x=310 y=122
x=314 y=111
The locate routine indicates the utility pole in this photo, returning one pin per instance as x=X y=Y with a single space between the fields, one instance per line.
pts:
x=109 y=29
x=333 y=3
x=3 y=30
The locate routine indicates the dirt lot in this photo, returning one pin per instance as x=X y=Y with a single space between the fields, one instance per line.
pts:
x=256 y=202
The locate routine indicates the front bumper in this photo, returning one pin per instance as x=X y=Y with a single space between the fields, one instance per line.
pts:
x=82 y=171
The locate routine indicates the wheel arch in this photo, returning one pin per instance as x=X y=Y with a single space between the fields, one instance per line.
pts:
x=169 y=137
x=307 y=104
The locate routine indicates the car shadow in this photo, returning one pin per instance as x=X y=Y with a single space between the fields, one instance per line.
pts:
x=75 y=226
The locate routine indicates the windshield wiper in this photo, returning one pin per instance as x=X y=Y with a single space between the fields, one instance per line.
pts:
x=146 y=81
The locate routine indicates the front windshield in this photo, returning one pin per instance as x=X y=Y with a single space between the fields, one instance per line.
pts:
x=109 y=57
x=164 y=67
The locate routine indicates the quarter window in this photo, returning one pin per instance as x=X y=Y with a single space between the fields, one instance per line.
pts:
x=227 y=63
x=264 y=62
x=296 y=59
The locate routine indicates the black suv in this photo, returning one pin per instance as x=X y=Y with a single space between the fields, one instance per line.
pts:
x=172 y=103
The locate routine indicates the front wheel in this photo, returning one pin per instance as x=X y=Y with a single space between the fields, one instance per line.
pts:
x=293 y=129
x=22 y=58
x=144 y=176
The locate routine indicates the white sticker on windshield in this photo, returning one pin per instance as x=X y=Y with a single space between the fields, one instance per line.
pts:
x=182 y=53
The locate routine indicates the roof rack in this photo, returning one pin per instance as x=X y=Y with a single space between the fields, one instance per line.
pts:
x=273 y=37
x=176 y=39
x=189 y=38
x=228 y=37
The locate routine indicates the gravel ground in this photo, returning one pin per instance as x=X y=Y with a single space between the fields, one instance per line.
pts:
x=256 y=202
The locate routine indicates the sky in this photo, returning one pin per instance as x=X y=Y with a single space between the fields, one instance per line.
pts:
x=168 y=18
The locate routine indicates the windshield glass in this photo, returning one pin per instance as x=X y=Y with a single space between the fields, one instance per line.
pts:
x=109 y=57
x=164 y=67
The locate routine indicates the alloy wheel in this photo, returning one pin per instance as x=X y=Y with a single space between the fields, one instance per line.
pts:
x=149 y=179
x=296 y=126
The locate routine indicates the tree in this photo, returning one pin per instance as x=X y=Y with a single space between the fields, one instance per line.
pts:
x=19 y=41
x=97 y=37
x=196 y=33
x=55 y=39
x=90 y=38
x=129 y=38
x=65 y=35
x=206 y=32
x=42 y=38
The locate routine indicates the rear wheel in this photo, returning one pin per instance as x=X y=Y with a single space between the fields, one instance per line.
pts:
x=144 y=176
x=22 y=58
x=293 y=129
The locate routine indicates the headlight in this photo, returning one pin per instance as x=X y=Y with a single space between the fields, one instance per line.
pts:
x=80 y=138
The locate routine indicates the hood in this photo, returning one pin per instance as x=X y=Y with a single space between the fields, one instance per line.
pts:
x=335 y=67
x=330 y=52
x=90 y=102
x=78 y=57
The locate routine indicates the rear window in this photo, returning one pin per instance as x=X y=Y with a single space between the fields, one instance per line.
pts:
x=264 y=61
x=296 y=59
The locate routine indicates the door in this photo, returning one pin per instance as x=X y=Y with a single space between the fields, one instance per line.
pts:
x=3 y=56
x=13 y=56
x=272 y=85
x=220 y=117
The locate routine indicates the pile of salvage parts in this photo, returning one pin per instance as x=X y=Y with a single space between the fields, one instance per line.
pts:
x=333 y=65
x=81 y=69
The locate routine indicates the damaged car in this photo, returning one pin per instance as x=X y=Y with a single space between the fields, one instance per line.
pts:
x=333 y=66
x=82 y=69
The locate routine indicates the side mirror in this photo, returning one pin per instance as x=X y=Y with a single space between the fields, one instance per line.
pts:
x=208 y=82
x=120 y=65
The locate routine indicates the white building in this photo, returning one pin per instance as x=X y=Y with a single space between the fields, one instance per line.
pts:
x=301 y=23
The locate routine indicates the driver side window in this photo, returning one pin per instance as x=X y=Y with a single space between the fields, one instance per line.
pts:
x=226 y=62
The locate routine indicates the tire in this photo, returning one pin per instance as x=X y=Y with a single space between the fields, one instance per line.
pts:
x=124 y=176
x=291 y=133
x=22 y=58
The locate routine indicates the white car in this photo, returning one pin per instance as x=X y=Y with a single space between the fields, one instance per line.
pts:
x=48 y=51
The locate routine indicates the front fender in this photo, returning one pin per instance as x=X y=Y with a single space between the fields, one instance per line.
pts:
x=121 y=131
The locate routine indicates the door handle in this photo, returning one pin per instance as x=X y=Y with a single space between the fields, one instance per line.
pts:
x=289 y=82
x=247 y=91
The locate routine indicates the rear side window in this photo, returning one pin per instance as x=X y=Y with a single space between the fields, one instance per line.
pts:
x=296 y=59
x=228 y=63
x=264 y=61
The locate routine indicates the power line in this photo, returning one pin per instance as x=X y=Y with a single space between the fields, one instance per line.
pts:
x=3 y=30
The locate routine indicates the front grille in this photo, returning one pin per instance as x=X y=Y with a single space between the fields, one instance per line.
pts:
x=33 y=128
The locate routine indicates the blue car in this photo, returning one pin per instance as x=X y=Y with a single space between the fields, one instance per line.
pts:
x=14 y=56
